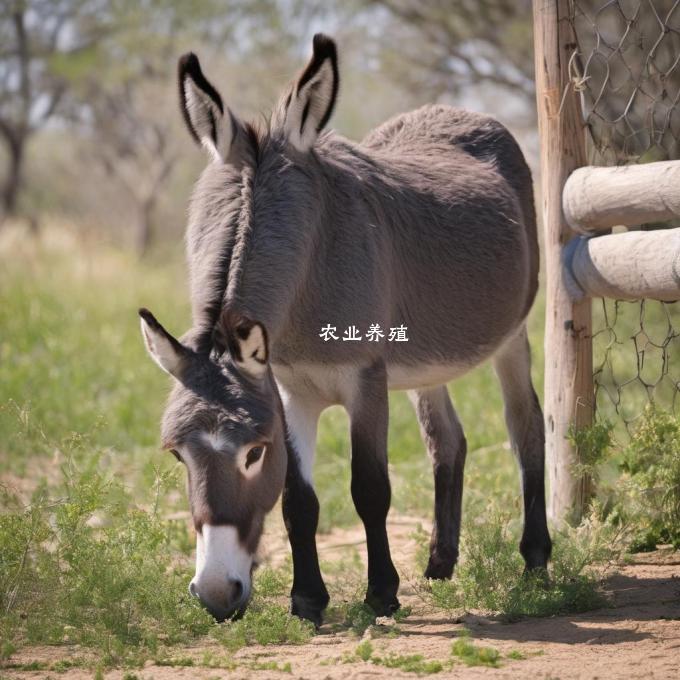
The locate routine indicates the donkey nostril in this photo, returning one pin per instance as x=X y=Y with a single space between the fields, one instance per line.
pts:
x=238 y=590
x=192 y=589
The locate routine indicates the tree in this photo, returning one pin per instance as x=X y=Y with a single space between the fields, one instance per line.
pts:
x=129 y=92
x=448 y=46
x=36 y=36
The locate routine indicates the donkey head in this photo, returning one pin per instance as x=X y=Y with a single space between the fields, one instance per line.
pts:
x=223 y=422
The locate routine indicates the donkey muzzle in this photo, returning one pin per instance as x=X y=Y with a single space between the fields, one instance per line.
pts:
x=225 y=601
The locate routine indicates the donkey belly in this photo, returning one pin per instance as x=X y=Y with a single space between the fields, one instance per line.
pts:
x=329 y=384
x=417 y=376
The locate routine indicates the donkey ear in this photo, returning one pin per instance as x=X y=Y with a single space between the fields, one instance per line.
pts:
x=203 y=110
x=165 y=350
x=311 y=102
x=247 y=343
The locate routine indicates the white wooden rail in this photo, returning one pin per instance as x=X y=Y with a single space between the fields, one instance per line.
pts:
x=597 y=199
x=630 y=266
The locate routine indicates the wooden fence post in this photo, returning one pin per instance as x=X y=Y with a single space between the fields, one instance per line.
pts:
x=568 y=329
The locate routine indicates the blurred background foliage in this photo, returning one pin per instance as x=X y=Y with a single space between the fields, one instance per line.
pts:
x=90 y=129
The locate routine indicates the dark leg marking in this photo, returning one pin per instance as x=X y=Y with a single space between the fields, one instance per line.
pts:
x=525 y=424
x=309 y=596
x=443 y=435
x=371 y=490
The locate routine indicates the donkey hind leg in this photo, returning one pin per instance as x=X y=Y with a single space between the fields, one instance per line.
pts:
x=527 y=435
x=443 y=435
x=309 y=596
x=371 y=491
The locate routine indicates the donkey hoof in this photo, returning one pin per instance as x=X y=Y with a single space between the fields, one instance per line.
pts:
x=382 y=604
x=440 y=569
x=308 y=608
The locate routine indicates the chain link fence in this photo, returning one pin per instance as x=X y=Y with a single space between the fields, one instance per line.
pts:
x=626 y=67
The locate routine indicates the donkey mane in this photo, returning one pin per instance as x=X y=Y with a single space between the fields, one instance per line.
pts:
x=228 y=268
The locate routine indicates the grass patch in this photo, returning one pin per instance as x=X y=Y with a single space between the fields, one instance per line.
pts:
x=651 y=498
x=516 y=655
x=86 y=565
x=463 y=650
x=490 y=575
x=471 y=654
x=264 y=624
x=409 y=663
x=271 y=666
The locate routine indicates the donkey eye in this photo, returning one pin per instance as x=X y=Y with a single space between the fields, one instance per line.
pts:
x=254 y=455
x=175 y=453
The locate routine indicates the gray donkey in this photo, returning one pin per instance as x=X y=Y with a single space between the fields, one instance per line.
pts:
x=427 y=226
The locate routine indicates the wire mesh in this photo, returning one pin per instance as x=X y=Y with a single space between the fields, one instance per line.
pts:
x=626 y=67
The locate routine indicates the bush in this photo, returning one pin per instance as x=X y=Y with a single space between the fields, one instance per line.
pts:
x=265 y=624
x=86 y=565
x=490 y=575
x=652 y=463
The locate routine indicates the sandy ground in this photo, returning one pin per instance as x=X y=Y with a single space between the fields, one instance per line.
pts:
x=639 y=637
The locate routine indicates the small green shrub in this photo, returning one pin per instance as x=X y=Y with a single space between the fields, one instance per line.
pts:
x=264 y=624
x=85 y=565
x=271 y=666
x=490 y=574
x=409 y=663
x=652 y=463
x=364 y=650
x=270 y=582
x=516 y=655
x=593 y=445
x=474 y=655
x=358 y=617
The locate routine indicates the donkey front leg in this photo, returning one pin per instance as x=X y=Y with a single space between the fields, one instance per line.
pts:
x=309 y=596
x=527 y=435
x=369 y=412
x=443 y=435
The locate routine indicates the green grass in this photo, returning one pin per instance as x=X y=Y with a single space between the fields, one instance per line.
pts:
x=474 y=655
x=490 y=574
x=264 y=623
x=463 y=650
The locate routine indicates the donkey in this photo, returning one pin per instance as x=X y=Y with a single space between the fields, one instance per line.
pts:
x=427 y=225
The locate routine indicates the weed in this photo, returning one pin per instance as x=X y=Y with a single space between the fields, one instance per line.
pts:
x=473 y=655
x=271 y=666
x=593 y=444
x=409 y=663
x=64 y=578
x=211 y=660
x=516 y=655
x=264 y=624
x=652 y=462
x=358 y=617
x=364 y=650
x=490 y=574
x=270 y=582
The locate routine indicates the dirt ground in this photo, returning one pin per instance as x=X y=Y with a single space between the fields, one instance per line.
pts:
x=638 y=637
